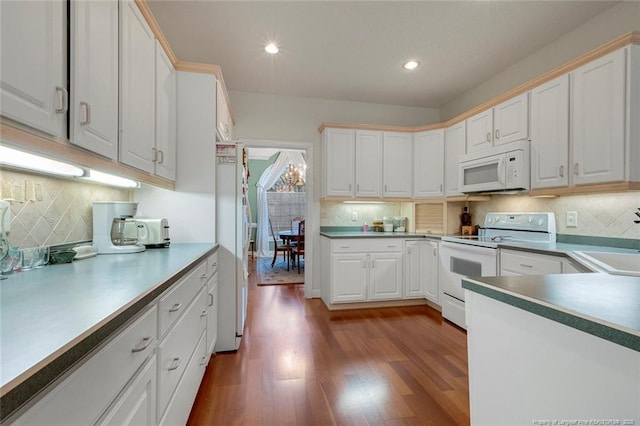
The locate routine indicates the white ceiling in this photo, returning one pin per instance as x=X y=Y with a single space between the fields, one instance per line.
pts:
x=354 y=50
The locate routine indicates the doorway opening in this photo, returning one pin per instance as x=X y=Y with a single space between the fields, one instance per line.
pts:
x=288 y=197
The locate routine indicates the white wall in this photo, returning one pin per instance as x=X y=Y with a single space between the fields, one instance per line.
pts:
x=295 y=119
x=600 y=30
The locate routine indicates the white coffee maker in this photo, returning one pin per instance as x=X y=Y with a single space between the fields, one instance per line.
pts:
x=114 y=229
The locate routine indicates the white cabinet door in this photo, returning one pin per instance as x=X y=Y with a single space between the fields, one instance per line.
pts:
x=598 y=124
x=33 y=85
x=339 y=159
x=165 y=145
x=368 y=163
x=397 y=174
x=421 y=270
x=349 y=277
x=504 y=123
x=550 y=134
x=454 y=147
x=137 y=88
x=428 y=164
x=414 y=282
x=385 y=276
x=94 y=76
x=522 y=263
x=511 y=120
x=137 y=403
x=480 y=131
x=224 y=125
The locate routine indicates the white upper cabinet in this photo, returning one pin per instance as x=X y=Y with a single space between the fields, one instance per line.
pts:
x=397 y=174
x=137 y=88
x=428 y=164
x=504 y=123
x=165 y=147
x=455 y=137
x=368 y=163
x=224 y=124
x=339 y=148
x=33 y=89
x=598 y=119
x=94 y=76
x=550 y=134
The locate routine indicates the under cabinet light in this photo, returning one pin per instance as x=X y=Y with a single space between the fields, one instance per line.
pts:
x=107 y=179
x=23 y=160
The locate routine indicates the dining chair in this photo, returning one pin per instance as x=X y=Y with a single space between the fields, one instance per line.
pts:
x=298 y=249
x=278 y=247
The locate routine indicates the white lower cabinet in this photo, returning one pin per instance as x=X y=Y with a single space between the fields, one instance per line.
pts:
x=363 y=270
x=149 y=373
x=212 y=302
x=85 y=394
x=421 y=270
x=137 y=404
x=176 y=349
x=516 y=262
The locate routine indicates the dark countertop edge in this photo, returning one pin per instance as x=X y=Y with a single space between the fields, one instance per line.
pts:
x=48 y=375
x=557 y=314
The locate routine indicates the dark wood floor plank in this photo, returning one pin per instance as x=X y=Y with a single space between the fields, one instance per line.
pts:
x=301 y=364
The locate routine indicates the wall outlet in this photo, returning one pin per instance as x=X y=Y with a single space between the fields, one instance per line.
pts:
x=572 y=219
x=354 y=216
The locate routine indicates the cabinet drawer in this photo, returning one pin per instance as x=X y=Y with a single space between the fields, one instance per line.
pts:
x=173 y=303
x=82 y=397
x=176 y=349
x=137 y=403
x=514 y=263
x=367 y=245
x=180 y=404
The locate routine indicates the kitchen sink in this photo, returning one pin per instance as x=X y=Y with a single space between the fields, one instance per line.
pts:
x=613 y=263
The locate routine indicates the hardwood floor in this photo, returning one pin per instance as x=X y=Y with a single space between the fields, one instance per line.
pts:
x=301 y=364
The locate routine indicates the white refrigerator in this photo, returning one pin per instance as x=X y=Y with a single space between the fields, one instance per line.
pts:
x=232 y=230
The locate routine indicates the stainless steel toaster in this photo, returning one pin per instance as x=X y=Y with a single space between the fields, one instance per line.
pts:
x=153 y=233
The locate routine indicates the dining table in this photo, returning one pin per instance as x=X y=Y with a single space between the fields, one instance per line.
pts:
x=287 y=236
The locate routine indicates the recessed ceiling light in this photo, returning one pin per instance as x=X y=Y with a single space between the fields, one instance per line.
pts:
x=411 y=65
x=272 y=48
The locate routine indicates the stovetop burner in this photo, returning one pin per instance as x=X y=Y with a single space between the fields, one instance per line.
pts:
x=500 y=227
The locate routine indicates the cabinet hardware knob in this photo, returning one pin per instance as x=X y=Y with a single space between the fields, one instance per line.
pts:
x=562 y=171
x=175 y=307
x=576 y=169
x=526 y=266
x=203 y=360
x=154 y=155
x=497 y=133
x=144 y=344
x=210 y=299
x=203 y=314
x=203 y=276
x=161 y=157
x=174 y=364
x=488 y=136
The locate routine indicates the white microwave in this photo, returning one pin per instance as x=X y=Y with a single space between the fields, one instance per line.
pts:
x=501 y=168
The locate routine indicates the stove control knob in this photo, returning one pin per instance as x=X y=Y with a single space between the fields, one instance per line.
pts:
x=540 y=222
x=530 y=219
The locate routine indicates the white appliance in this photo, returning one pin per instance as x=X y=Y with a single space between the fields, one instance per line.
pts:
x=114 y=229
x=463 y=256
x=153 y=233
x=232 y=230
x=501 y=168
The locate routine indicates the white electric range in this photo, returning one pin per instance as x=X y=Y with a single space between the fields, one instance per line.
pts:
x=477 y=255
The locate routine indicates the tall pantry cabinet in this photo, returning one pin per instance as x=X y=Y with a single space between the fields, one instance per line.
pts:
x=33 y=89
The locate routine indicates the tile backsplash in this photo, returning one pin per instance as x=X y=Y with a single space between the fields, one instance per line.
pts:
x=340 y=214
x=64 y=215
x=599 y=215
